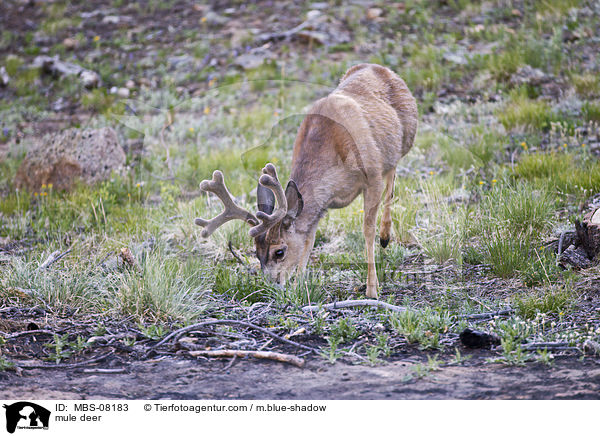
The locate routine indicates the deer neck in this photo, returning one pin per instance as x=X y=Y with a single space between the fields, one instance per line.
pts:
x=315 y=207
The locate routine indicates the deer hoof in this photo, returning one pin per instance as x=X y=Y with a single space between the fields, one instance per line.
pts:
x=384 y=242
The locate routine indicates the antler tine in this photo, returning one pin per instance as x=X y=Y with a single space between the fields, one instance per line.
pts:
x=232 y=210
x=270 y=180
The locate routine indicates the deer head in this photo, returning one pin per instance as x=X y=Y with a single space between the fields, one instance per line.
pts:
x=280 y=248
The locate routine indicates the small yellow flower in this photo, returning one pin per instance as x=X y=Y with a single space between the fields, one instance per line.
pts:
x=203 y=20
x=96 y=38
x=494 y=181
x=583 y=145
x=191 y=129
x=565 y=145
x=50 y=185
x=43 y=186
x=35 y=194
x=361 y=211
x=481 y=182
x=431 y=173
x=138 y=185
x=43 y=194
x=206 y=110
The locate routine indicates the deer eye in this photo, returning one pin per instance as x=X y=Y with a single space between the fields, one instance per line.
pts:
x=279 y=253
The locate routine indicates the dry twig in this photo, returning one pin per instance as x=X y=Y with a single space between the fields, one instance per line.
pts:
x=54 y=257
x=104 y=370
x=67 y=365
x=237 y=256
x=180 y=332
x=554 y=346
x=488 y=315
x=271 y=355
x=29 y=332
x=355 y=303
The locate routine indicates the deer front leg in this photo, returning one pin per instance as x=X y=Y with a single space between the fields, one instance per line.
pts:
x=372 y=197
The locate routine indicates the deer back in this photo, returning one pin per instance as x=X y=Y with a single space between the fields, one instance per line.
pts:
x=353 y=136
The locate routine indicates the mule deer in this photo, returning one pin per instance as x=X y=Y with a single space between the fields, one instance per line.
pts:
x=349 y=142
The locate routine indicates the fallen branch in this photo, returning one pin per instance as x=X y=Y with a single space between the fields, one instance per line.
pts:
x=29 y=332
x=67 y=365
x=283 y=35
x=108 y=338
x=355 y=303
x=104 y=370
x=556 y=346
x=230 y=364
x=271 y=355
x=53 y=258
x=237 y=256
x=180 y=332
x=488 y=315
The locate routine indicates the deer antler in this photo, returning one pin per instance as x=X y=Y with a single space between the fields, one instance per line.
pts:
x=232 y=210
x=269 y=180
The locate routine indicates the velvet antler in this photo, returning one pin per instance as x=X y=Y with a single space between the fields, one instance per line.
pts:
x=270 y=180
x=232 y=211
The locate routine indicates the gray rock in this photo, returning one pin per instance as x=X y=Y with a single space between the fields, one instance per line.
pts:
x=254 y=58
x=575 y=257
x=214 y=19
x=116 y=19
x=59 y=104
x=89 y=79
x=58 y=68
x=456 y=58
x=527 y=75
x=4 y=77
x=70 y=43
x=61 y=159
x=123 y=92
x=318 y=28
x=180 y=61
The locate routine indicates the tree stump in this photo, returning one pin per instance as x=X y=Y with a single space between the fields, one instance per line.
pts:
x=588 y=233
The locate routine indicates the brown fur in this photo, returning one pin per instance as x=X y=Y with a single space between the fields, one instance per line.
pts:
x=350 y=142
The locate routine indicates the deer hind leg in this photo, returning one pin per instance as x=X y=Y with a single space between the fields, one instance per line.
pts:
x=372 y=198
x=386 y=219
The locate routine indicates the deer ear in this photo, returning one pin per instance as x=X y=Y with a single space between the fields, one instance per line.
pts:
x=294 y=201
x=265 y=199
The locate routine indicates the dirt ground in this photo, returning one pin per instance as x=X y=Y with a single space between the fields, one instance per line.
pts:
x=175 y=378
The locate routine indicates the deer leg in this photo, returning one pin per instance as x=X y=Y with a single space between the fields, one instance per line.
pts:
x=386 y=219
x=372 y=197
